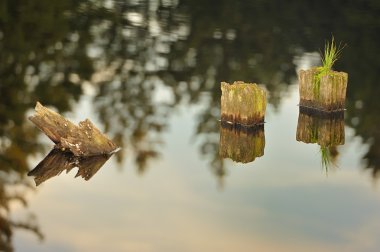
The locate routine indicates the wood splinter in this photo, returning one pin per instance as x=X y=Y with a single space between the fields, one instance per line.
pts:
x=82 y=140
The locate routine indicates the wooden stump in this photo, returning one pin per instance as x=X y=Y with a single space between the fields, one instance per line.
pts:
x=82 y=140
x=325 y=129
x=243 y=103
x=327 y=93
x=241 y=144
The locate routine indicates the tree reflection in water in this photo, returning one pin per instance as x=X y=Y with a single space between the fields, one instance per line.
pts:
x=36 y=62
x=183 y=49
x=130 y=52
x=12 y=189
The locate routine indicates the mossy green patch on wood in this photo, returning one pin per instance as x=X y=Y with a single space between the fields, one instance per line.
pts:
x=243 y=103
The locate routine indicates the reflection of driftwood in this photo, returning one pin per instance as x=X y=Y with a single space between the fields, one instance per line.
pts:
x=243 y=103
x=82 y=140
x=328 y=93
x=326 y=129
x=57 y=161
x=241 y=144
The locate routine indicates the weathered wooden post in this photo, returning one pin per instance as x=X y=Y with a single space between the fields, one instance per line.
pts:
x=241 y=144
x=322 y=88
x=243 y=103
x=327 y=93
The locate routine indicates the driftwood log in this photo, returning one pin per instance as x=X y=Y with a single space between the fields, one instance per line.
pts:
x=241 y=144
x=58 y=161
x=325 y=129
x=327 y=93
x=82 y=140
x=243 y=103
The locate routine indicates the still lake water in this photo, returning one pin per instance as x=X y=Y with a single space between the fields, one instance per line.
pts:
x=148 y=74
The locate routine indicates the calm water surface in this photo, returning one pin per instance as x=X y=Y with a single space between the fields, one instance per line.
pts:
x=148 y=74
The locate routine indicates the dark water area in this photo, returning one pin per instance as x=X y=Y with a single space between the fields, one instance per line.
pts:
x=148 y=74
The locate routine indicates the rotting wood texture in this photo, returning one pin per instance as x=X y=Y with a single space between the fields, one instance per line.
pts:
x=243 y=103
x=327 y=93
x=82 y=140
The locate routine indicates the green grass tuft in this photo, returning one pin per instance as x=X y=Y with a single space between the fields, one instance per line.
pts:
x=331 y=54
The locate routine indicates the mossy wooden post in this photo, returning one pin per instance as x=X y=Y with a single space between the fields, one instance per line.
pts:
x=241 y=144
x=326 y=93
x=243 y=103
x=325 y=129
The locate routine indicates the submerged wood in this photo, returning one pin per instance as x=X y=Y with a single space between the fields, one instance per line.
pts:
x=82 y=140
x=325 y=129
x=58 y=161
x=328 y=94
x=243 y=103
x=241 y=144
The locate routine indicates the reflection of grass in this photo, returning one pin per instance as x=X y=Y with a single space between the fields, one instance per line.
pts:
x=314 y=134
x=329 y=57
x=328 y=157
x=325 y=157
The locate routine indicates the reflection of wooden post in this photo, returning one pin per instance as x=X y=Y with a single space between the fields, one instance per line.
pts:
x=325 y=129
x=327 y=94
x=241 y=144
x=243 y=103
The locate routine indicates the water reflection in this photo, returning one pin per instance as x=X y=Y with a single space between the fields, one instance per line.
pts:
x=37 y=62
x=127 y=52
x=57 y=161
x=130 y=53
x=173 y=53
x=141 y=59
x=13 y=190
x=241 y=144
x=324 y=129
